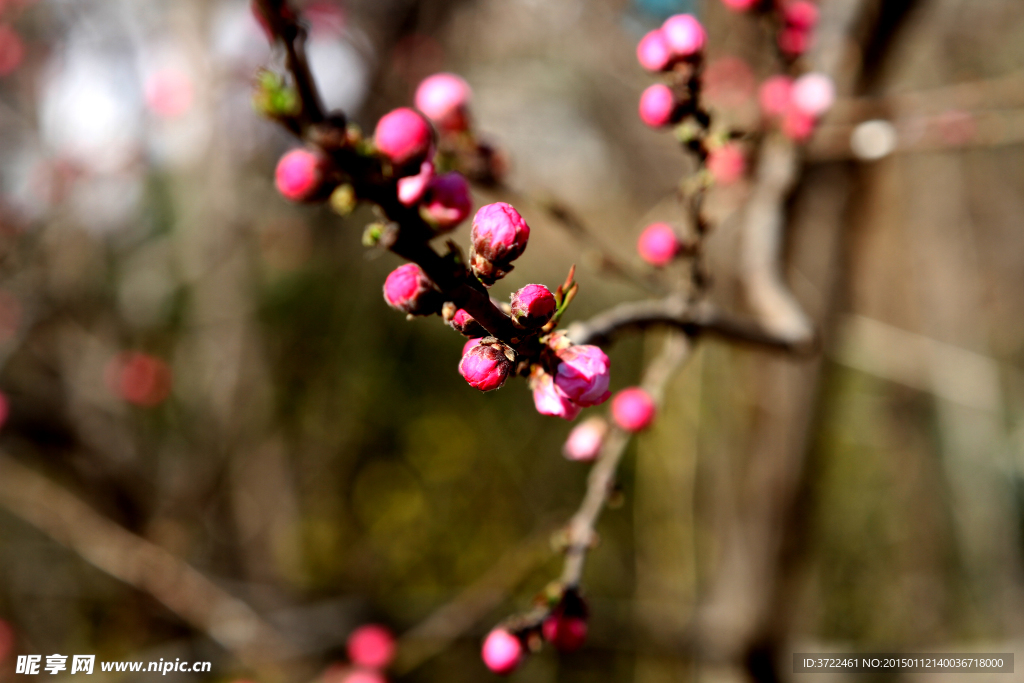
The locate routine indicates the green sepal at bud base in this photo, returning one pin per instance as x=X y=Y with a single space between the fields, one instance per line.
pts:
x=343 y=202
x=274 y=98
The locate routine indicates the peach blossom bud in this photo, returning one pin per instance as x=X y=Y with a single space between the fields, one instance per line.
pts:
x=727 y=163
x=502 y=652
x=793 y=41
x=566 y=633
x=139 y=378
x=499 y=236
x=532 y=306
x=633 y=409
x=775 y=95
x=547 y=399
x=657 y=105
x=403 y=136
x=409 y=290
x=797 y=126
x=739 y=5
x=463 y=323
x=299 y=176
x=584 y=442
x=444 y=98
x=486 y=365
x=446 y=202
x=371 y=645
x=583 y=375
x=412 y=187
x=800 y=14
x=684 y=34
x=658 y=244
x=653 y=52
x=470 y=344
x=813 y=94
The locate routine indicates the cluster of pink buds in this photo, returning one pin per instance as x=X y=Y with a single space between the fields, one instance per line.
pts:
x=580 y=380
x=796 y=105
x=499 y=237
x=799 y=19
x=371 y=649
x=679 y=41
x=564 y=626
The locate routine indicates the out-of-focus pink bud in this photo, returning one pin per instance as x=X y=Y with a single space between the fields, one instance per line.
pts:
x=583 y=375
x=796 y=125
x=684 y=34
x=653 y=52
x=502 y=652
x=463 y=323
x=633 y=409
x=443 y=98
x=446 y=202
x=727 y=163
x=793 y=41
x=813 y=94
x=12 y=50
x=532 y=306
x=658 y=244
x=169 y=93
x=657 y=105
x=739 y=5
x=775 y=95
x=566 y=633
x=412 y=187
x=363 y=676
x=499 y=236
x=409 y=290
x=584 y=442
x=486 y=365
x=300 y=175
x=371 y=645
x=403 y=136
x=139 y=378
x=800 y=14
x=547 y=399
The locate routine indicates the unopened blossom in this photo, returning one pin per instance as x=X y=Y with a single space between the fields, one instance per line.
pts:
x=813 y=93
x=658 y=244
x=408 y=289
x=547 y=399
x=463 y=323
x=657 y=106
x=532 y=306
x=796 y=125
x=794 y=41
x=684 y=34
x=774 y=95
x=371 y=645
x=447 y=202
x=499 y=236
x=566 y=633
x=139 y=378
x=585 y=440
x=633 y=409
x=444 y=99
x=740 y=5
x=653 y=51
x=486 y=365
x=583 y=375
x=299 y=176
x=502 y=652
x=800 y=14
x=403 y=136
x=411 y=188
x=727 y=163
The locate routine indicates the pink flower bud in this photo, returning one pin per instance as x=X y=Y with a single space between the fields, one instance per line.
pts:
x=793 y=41
x=363 y=676
x=463 y=323
x=584 y=442
x=486 y=365
x=658 y=244
x=547 y=399
x=583 y=375
x=408 y=289
x=684 y=34
x=446 y=202
x=470 y=344
x=653 y=52
x=633 y=409
x=796 y=125
x=371 y=645
x=532 y=306
x=499 y=236
x=443 y=98
x=727 y=164
x=813 y=94
x=657 y=105
x=502 y=652
x=169 y=93
x=566 y=633
x=139 y=378
x=775 y=95
x=299 y=175
x=800 y=14
x=412 y=187
x=403 y=136
x=739 y=5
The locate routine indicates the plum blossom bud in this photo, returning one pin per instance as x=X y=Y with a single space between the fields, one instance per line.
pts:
x=583 y=375
x=499 y=236
x=470 y=344
x=727 y=164
x=658 y=244
x=300 y=175
x=532 y=306
x=408 y=289
x=800 y=14
x=657 y=105
x=566 y=633
x=502 y=652
x=463 y=323
x=813 y=94
x=584 y=442
x=403 y=136
x=796 y=125
x=443 y=98
x=653 y=52
x=684 y=34
x=547 y=399
x=412 y=187
x=371 y=645
x=775 y=95
x=793 y=41
x=739 y=5
x=633 y=409
x=487 y=364
x=446 y=202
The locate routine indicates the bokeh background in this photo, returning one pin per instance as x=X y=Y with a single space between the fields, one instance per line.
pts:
x=200 y=377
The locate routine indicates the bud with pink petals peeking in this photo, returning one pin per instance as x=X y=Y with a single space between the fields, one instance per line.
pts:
x=499 y=236
x=739 y=5
x=794 y=41
x=658 y=106
x=502 y=652
x=300 y=176
x=446 y=202
x=583 y=375
x=444 y=99
x=727 y=163
x=465 y=324
x=532 y=307
x=470 y=344
x=487 y=364
x=547 y=399
x=684 y=34
x=775 y=95
x=566 y=633
x=412 y=187
x=403 y=136
x=585 y=440
x=408 y=289
x=658 y=244
x=633 y=409
x=813 y=94
x=800 y=14
x=653 y=51
x=371 y=645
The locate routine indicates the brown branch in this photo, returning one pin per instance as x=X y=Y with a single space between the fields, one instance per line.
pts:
x=174 y=583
